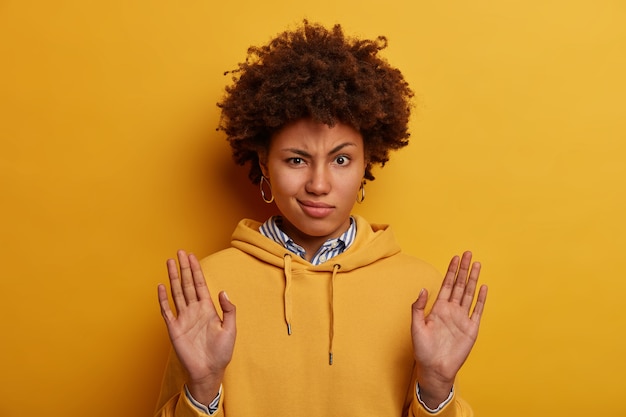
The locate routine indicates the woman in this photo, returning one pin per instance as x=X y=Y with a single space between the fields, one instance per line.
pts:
x=322 y=325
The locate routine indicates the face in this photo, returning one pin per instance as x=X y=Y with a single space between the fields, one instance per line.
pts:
x=315 y=172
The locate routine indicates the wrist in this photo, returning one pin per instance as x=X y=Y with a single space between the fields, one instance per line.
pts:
x=433 y=392
x=205 y=390
x=430 y=408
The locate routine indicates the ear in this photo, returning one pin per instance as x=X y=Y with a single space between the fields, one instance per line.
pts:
x=263 y=164
x=368 y=166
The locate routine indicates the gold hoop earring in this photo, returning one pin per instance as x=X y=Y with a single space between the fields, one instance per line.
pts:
x=361 y=193
x=263 y=196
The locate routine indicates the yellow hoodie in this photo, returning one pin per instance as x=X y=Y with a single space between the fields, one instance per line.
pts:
x=326 y=340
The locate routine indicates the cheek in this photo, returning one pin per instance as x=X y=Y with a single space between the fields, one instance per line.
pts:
x=349 y=185
x=285 y=185
x=357 y=174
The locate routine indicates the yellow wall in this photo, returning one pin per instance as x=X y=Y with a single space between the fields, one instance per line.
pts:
x=110 y=162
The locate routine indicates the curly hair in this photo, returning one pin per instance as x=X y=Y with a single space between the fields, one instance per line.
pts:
x=322 y=74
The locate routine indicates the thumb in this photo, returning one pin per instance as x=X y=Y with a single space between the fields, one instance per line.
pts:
x=419 y=305
x=229 y=310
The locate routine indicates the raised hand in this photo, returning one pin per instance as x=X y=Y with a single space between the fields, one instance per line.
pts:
x=443 y=339
x=203 y=342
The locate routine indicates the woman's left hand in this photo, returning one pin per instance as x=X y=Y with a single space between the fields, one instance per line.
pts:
x=443 y=339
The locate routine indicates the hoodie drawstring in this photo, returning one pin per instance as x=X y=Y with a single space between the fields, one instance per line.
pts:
x=287 y=293
x=336 y=268
x=288 y=307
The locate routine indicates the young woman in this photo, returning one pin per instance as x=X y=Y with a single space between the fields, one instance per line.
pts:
x=323 y=324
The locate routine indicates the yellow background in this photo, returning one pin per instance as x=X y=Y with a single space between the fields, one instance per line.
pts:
x=110 y=162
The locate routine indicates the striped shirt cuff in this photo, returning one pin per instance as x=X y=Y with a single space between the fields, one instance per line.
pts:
x=211 y=409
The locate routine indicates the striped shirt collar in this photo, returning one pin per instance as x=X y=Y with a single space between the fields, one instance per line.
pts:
x=331 y=248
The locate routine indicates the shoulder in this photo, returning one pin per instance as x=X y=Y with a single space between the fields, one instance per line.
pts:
x=412 y=261
x=223 y=258
x=246 y=233
x=414 y=266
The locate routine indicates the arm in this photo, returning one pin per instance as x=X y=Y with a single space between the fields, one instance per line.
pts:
x=203 y=341
x=443 y=339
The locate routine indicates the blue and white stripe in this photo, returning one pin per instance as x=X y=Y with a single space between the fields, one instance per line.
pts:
x=331 y=248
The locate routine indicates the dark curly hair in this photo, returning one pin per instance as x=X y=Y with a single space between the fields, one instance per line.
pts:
x=322 y=74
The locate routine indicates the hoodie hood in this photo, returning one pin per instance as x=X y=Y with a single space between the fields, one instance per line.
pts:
x=372 y=243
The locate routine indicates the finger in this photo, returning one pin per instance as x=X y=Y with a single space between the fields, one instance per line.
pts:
x=419 y=305
x=166 y=311
x=201 y=289
x=175 y=286
x=186 y=278
x=461 y=277
x=448 y=279
x=480 y=304
x=470 y=289
x=230 y=312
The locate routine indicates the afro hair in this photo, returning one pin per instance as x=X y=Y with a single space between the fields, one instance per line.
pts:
x=314 y=72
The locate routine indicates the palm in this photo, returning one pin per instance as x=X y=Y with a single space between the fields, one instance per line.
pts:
x=200 y=342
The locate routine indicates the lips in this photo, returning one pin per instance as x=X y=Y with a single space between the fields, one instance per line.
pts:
x=316 y=209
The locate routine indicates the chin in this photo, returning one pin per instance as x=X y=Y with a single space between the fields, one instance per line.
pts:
x=320 y=231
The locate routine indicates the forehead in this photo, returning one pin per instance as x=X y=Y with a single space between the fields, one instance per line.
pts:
x=308 y=134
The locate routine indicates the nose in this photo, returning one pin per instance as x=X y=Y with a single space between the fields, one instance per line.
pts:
x=319 y=181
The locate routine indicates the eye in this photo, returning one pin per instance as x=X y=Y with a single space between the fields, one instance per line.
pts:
x=342 y=160
x=295 y=160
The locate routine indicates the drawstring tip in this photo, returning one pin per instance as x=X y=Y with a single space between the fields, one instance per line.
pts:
x=289 y=329
x=330 y=358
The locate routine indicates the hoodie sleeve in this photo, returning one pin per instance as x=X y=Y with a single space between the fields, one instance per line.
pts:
x=455 y=408
x=172 y=400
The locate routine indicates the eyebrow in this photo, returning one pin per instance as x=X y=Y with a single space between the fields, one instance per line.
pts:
x=334 y=150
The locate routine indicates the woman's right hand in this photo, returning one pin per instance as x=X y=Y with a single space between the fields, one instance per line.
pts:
x=203 y=342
